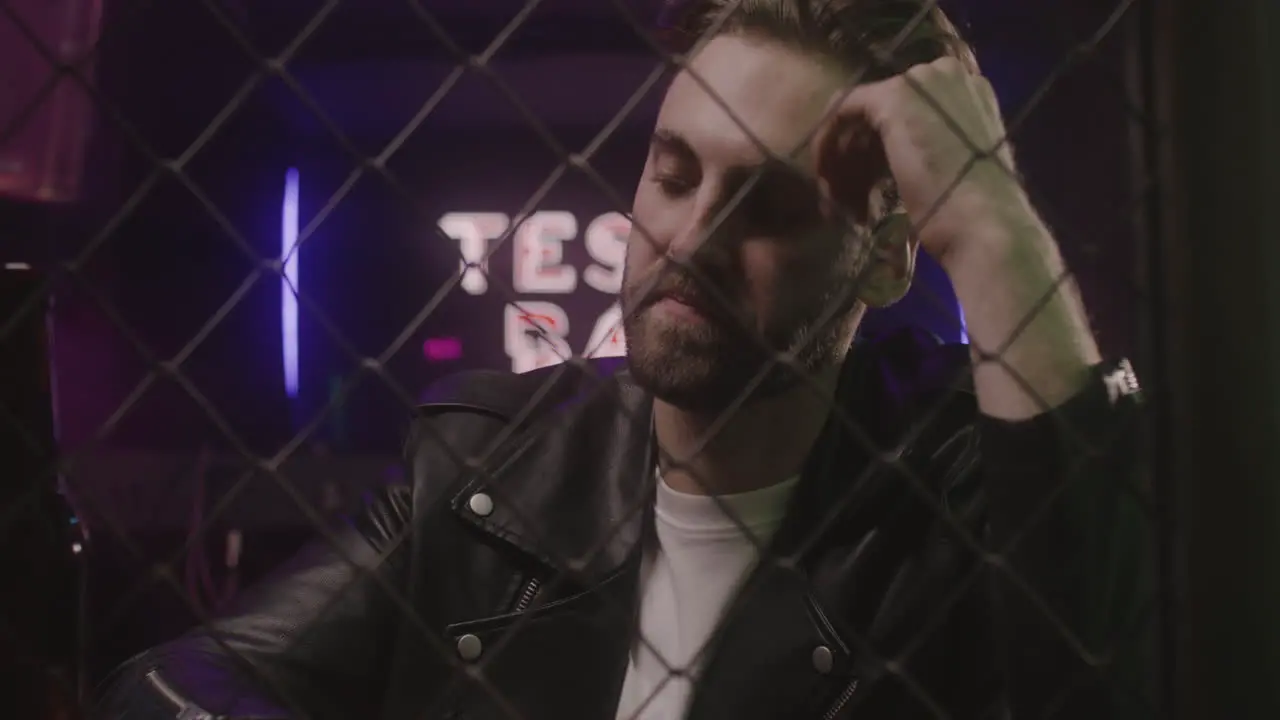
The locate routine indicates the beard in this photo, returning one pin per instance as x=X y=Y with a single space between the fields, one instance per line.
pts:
x=705 y=364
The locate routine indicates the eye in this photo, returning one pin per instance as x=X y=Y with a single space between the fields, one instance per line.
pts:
x=673 y=187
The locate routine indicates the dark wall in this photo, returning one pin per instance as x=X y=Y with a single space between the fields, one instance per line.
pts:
x=170 y=257
x=172 y=261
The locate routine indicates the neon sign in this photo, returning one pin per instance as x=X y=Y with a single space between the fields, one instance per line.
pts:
x=289 y=282
x=536 y=332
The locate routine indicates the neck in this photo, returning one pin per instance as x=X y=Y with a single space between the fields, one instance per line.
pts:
x=764 y=442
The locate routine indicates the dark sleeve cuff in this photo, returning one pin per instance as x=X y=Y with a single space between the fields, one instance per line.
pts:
x=1090 y=422
x=1074 y=457
x=1068 y=518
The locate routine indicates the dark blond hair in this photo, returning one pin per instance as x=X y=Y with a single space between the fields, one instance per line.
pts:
x=870 y=39
x=877 y=38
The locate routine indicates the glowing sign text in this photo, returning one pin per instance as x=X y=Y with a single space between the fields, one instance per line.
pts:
x=535 y=332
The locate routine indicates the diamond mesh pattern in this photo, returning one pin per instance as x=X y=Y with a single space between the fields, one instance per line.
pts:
x=374 y=367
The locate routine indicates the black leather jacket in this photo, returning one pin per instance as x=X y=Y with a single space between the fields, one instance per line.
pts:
x=933 y=563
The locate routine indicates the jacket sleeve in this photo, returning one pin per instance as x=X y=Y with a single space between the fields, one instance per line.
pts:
x=1074 y=591
x=308 y=643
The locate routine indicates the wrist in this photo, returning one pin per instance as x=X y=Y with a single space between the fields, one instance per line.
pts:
x=996 y=233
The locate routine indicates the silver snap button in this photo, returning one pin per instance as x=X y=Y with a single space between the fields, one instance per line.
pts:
x=470 y=647
x=823 y=660
x=481 y=504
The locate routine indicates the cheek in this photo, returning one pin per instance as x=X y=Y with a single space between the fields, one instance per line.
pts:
x=829 y=258
x=655 y=224
x=662 y=218
x=781 y=278
x=770 y=282
x=644 y=241
x=763 y=267
x=787 y=263
x=640 y=257
x=641 y=262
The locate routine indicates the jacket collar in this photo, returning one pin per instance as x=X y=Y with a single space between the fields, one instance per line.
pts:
x=573 y=489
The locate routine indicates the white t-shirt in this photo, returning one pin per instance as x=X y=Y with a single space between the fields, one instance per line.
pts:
x=701 y=558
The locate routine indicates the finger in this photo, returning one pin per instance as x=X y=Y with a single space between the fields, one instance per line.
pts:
x=869 y=102
x=849 y=152
x=845 y=112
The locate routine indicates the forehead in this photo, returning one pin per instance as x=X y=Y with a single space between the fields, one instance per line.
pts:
x=737 y=87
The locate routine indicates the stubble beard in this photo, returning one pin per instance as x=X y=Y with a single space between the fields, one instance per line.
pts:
x=706 y=366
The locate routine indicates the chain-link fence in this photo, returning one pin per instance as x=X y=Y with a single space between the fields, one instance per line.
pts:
x=295 y=220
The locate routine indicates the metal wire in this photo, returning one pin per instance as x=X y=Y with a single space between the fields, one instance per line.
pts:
x=374 y=368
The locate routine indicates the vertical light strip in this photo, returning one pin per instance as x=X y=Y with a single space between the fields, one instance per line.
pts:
x=964 y=327
x=289 y=282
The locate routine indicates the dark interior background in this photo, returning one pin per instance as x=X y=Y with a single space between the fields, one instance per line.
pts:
x=170 y=258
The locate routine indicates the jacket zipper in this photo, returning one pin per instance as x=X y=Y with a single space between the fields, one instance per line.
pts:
x=528 y=595
x=842 y=700
x=821 y=618
x=186 y=710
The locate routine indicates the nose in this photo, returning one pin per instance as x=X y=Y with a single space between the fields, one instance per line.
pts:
x=707 y=235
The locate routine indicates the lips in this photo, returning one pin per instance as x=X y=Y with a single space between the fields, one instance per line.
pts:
x=687 y=307
x=676 y=309
x=685 y=299
x=687 y=294
x=688 y=300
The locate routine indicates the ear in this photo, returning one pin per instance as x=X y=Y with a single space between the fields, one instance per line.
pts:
x=892 y=264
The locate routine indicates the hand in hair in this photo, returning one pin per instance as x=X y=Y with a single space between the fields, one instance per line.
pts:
x=936 y=129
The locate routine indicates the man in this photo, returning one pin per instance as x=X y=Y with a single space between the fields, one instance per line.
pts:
x=709 y=533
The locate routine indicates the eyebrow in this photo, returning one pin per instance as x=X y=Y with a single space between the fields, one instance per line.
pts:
x=668 y=141
x=671 y=142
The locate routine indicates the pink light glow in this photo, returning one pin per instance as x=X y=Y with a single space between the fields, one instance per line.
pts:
x=442 y=348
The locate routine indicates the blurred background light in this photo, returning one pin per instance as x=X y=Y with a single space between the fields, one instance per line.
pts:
x=289 y=282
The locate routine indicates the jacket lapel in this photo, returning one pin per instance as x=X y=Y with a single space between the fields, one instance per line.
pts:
x=572 y=490
x=805 y=618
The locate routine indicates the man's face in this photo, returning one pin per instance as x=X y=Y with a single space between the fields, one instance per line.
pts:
x=769 y=254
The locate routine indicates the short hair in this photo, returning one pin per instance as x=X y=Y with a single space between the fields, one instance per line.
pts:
x=870 y=39
x=861 y=36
